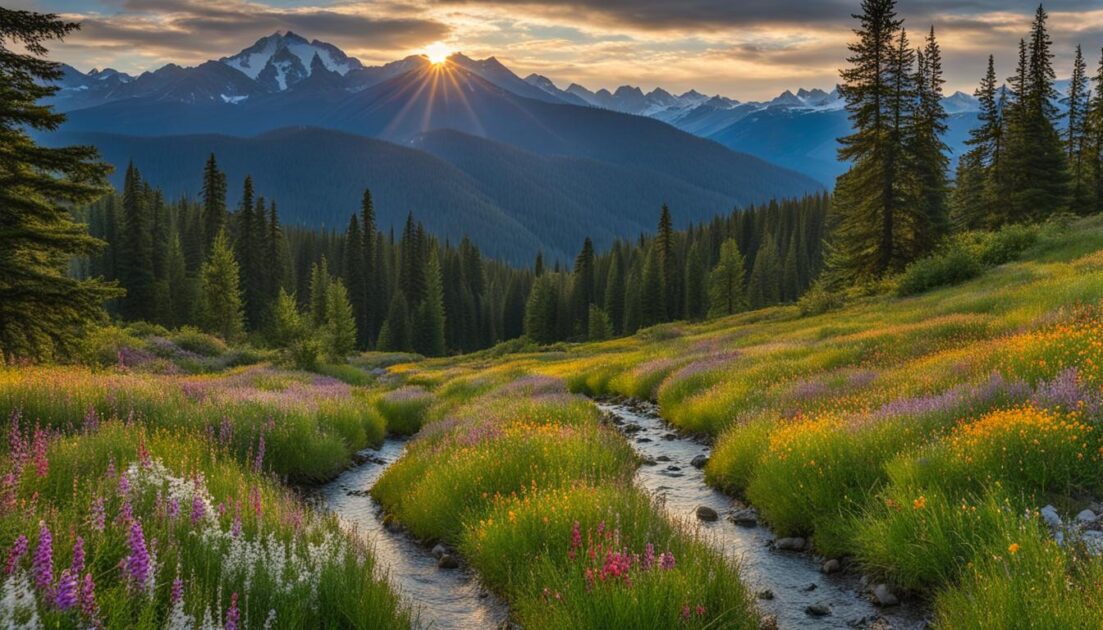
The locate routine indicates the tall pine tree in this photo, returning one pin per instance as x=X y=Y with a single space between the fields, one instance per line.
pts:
x=43 y=311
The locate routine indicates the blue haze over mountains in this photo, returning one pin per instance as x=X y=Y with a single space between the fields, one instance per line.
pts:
x=520 y=165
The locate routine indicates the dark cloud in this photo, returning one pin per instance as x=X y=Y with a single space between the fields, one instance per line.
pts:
x=195 y=30
x=724 y=14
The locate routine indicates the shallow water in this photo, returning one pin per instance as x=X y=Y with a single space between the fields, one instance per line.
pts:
x=445 y=599
x=788 y=575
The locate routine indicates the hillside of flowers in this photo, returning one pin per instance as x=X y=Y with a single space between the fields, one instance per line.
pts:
x=949 y=445
x=137 y=500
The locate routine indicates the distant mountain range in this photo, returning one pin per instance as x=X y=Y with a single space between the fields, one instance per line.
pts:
x=468 y=146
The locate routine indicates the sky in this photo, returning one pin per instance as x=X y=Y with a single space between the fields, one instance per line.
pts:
x=744 y=49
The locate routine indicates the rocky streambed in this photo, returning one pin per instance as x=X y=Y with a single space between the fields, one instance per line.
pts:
x=444 y=594
x=795 y=588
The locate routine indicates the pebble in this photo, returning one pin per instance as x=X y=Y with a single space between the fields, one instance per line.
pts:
x=662 y=458
x=674 y=468
x=1086 y=517
x=1050 y=516
x=819 y=609
x=831 y=566
x=448 y=561
x=769 y=622
x=789 y=544
x=744 y=517
x=808 y=588
x=439 y=550
x=700 y=461
x=883 y=596
x=705 y=513
x=766 y=594
x=631 y=428
x=643 y=440
x=670 y=436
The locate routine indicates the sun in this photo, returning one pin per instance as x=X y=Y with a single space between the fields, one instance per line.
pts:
x=438 y=53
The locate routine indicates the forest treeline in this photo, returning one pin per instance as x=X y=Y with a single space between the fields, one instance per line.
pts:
x=239 y=272
x=897 y=205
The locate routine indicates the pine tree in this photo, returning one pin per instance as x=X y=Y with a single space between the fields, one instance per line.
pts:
x=1040 y=181
x=668 y=266
x=764 y=287
x=599 y=327
x=865 y=205
x=355 y=279
x=137 y=267
x=584 y=294
x=696 y=283
x=1093 y=161
x=928 y=153
x=430 y=322
x=222 y=312
x=43 y=311
x=540 y=311
x=372 y=307
x=652 y=305
x=340 y=327
x=319 y=287
x=538 y=266
x=214 y=200
x=614 y=294
x=179 y=287
x=727 y=294
x=973 y=199
x=1076 y=138
x=395 y=334
x=790 y=276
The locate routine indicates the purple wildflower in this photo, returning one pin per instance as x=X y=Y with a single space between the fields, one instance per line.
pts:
x=137 y=563
x=87 y=597
x=67 y=595
x=173 y=509
x=99 y=514
x=225 y=432
x=18 y=550
x=91 y=420
x=42 y=564
x=258 y=462
x=124 y=485
x=233 y=615
x=77 y=567
x=177 y=589
x=235 y=528
x=198 y=510
x=648 y=556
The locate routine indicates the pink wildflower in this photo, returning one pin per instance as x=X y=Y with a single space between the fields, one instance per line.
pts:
x=666 y=560
x=87 y=597
x=177 y=589
x=198 y=510
x=41 y=463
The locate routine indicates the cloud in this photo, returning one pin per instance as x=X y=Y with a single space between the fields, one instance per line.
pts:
x=191 y=31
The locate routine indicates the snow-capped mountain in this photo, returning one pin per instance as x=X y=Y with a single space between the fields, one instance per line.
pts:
x=281 y=60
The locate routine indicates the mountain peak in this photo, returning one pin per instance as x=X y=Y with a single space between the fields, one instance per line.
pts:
x=285 y=57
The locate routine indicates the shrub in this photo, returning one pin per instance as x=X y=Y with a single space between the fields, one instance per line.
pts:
x=948 y=268
x=819 y=299
x=111 y=345
x=1007 y=244
x=193 y=340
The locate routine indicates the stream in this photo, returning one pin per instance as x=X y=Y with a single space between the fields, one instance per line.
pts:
x=794 y=578
x=444 y=599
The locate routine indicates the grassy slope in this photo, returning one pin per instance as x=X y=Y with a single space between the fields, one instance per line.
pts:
x=911 y=434
x=171 y=485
